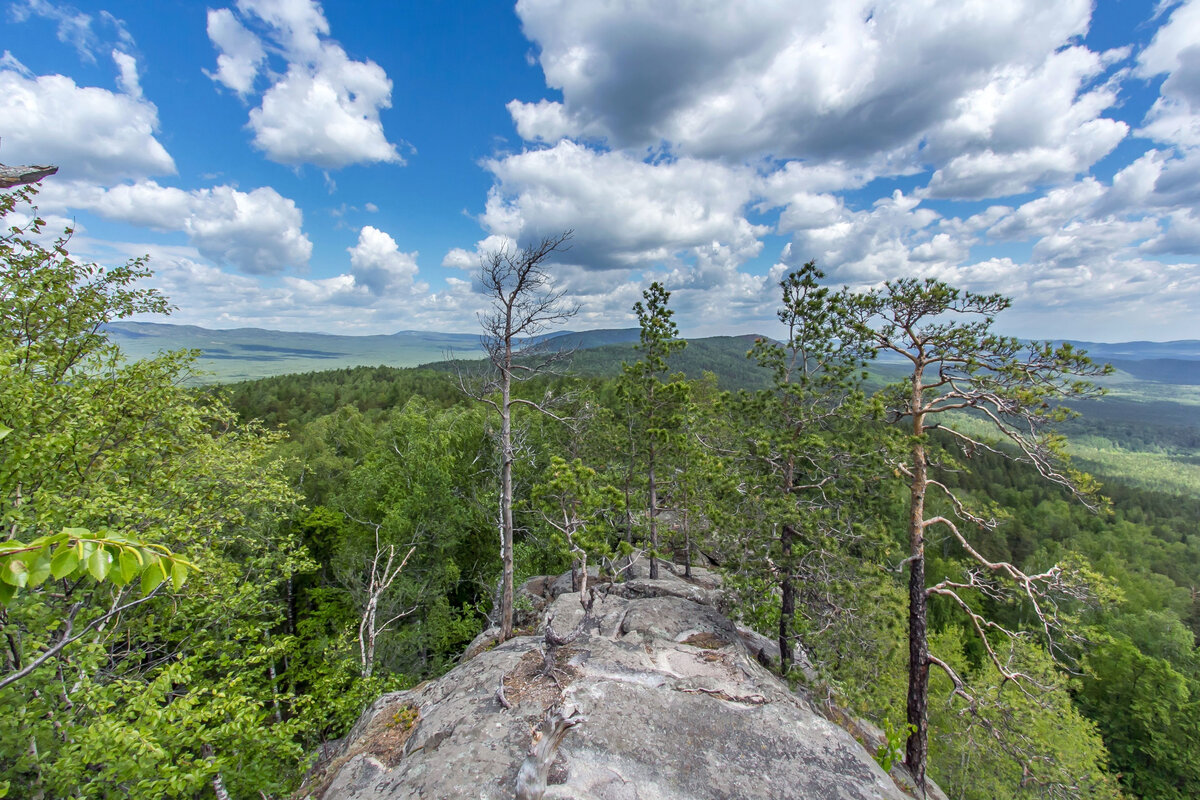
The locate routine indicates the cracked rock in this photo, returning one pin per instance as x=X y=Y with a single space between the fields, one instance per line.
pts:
x=676 y=705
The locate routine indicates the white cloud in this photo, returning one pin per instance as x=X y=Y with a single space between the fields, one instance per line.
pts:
x=377 y=263
x=625 y=212
x=876 y=244
x=74 y=26
x=818 y=80
x=87 y=131
x=1181 y=32
x=327 y=116
x=210 y=296
x=259 y=232
x=1045 y=214
x=1182 y=236
x=1028 y=126
x=549 y=121
x=788 y=107
x=1081 y=244
x=298 y=24
x=127 y=74
x=324 y=109
x=1175 y=50
x=241 y=54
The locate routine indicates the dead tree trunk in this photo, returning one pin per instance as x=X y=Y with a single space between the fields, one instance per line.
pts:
x=523 y=305
x=531 y=777
x=16 y=176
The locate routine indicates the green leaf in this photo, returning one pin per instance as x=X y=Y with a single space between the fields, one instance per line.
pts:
x=179 y=573
x=84 y=549
x=14 y=572
x=65 y=561
x=99 y=563
x=130 y=564
x=155 y=574
x=38 y=563
x=4 y=431
x=6 y=593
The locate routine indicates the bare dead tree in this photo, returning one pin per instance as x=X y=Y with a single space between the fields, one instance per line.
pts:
x=535 y=769
x=960 y=365
x=553 y=640
x=385 y=568
x=11 y=176
x=524 y=304
x=16 y=176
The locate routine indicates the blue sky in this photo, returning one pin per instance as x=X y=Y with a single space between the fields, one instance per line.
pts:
x=341 y=167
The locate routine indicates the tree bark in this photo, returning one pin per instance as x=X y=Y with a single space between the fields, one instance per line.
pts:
x=653 y=511
x=506 y=496
x=787 y=606
x=535 y=769
x=15 y=176
x=917 y=746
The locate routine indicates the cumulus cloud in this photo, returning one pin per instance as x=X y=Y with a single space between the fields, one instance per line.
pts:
x=791 y=110
x=259 y=232
x=822 y=81
x=88 y=131
x=1182 y=236
x=208 y=295
x=1028 y=126
x=240 y=53
x=376 y=292
x=1175 y=51
x=895 y=237
x=127 y=74
x=324 y=109
x=377 y=263
x=625 y=212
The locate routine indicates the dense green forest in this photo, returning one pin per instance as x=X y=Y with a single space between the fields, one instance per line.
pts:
x=201 y=586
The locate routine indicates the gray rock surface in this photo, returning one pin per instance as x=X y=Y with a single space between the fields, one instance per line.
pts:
x=675 y=707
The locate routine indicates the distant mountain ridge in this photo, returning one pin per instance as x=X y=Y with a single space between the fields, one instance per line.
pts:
x=235 y=354
x=1178 y=349
x=247 y=353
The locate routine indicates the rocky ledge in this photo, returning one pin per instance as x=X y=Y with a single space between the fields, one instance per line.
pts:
x=658 y=696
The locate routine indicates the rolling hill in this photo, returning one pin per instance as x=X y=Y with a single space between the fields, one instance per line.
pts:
x=248 y=353
x=240 y=354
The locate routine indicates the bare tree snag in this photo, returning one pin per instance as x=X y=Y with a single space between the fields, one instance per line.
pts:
x=384 y=571
x=523 y=305
x=16 y=176
x=531 y=777
x=554 y=639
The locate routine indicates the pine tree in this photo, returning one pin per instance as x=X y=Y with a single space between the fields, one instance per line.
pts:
x=959 y=365
x=654 y=402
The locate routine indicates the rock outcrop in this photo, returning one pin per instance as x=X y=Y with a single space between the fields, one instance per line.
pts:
x=665 y=697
